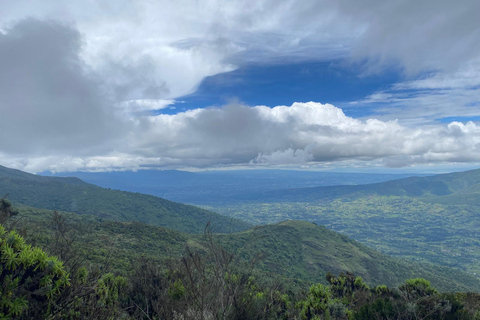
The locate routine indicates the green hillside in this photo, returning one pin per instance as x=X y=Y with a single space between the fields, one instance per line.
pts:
x=303 y=250
x=433 y=219
x=297 y=251
x=74 y=195
x=432 y=187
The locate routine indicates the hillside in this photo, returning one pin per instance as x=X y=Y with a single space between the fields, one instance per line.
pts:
x=300 y=249
x=297 y=251
x=433 y=219
x=458 y=184
x=74 y=195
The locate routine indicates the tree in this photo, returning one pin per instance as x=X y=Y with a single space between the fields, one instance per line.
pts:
x=6 y=210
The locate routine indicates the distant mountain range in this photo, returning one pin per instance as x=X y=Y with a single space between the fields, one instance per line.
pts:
x=75 y=195
x=128 y=225
x=459 y=186
x=215 y=187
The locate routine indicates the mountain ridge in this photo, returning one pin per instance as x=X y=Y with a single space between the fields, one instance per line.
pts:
x=75 y=195
x=466 y=182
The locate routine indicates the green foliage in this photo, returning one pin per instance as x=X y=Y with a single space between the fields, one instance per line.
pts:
x=418 y=287
x=30 y=279
x=299 y=252
x=177 y=290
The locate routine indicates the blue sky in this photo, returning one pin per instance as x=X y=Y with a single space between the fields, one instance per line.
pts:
x=214 y=84
x=283 y=84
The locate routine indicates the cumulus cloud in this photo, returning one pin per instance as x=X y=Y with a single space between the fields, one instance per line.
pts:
x=303 y=134
x=77 y=94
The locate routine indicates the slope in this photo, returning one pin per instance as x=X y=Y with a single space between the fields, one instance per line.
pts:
x=432 y=219
x=460 y=184
x=295 y=251
x=74 y=195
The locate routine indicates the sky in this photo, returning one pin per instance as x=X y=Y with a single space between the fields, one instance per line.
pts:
x=210 y=84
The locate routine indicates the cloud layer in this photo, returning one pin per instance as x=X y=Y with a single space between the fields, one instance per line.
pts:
x=79 y=83
x=150 y=49
x=303 y=134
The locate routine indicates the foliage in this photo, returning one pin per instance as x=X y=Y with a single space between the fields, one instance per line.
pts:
x=412 y=228
x=6 y=210
x=210 y=281
x=30 y=279
x=300 y=253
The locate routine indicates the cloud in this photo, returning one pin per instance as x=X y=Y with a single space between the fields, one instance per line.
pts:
x=49 y=102
x=428 y=35
x=304 y=134
x=142 y=105
x=149 y=49
x=284 y=157
x=76 y=92
x=153 y=49
x=300 y=134
x=432 y=98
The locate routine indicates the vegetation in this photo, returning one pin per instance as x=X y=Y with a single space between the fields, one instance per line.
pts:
x=213 y=283
x=60 y=265
x=74 y=195
x=432 y=219
x=297 y=252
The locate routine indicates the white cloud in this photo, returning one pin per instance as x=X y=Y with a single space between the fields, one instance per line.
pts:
x=434 y=97
x=141 y=105
x=303 y=134
x=73 y=93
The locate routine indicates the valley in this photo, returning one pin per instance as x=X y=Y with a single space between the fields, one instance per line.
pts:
x=422 y=227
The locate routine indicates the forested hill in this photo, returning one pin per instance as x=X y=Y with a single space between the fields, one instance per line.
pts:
x=292 y=251
x=74 y=195
x=304 y=250
x=453 y=185
x=8 y=174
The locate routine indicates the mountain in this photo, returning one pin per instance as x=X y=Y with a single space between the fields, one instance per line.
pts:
x=74 y=195
x=304 y=250
x=215 y=187
x=296 y=251
x=461 y=184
